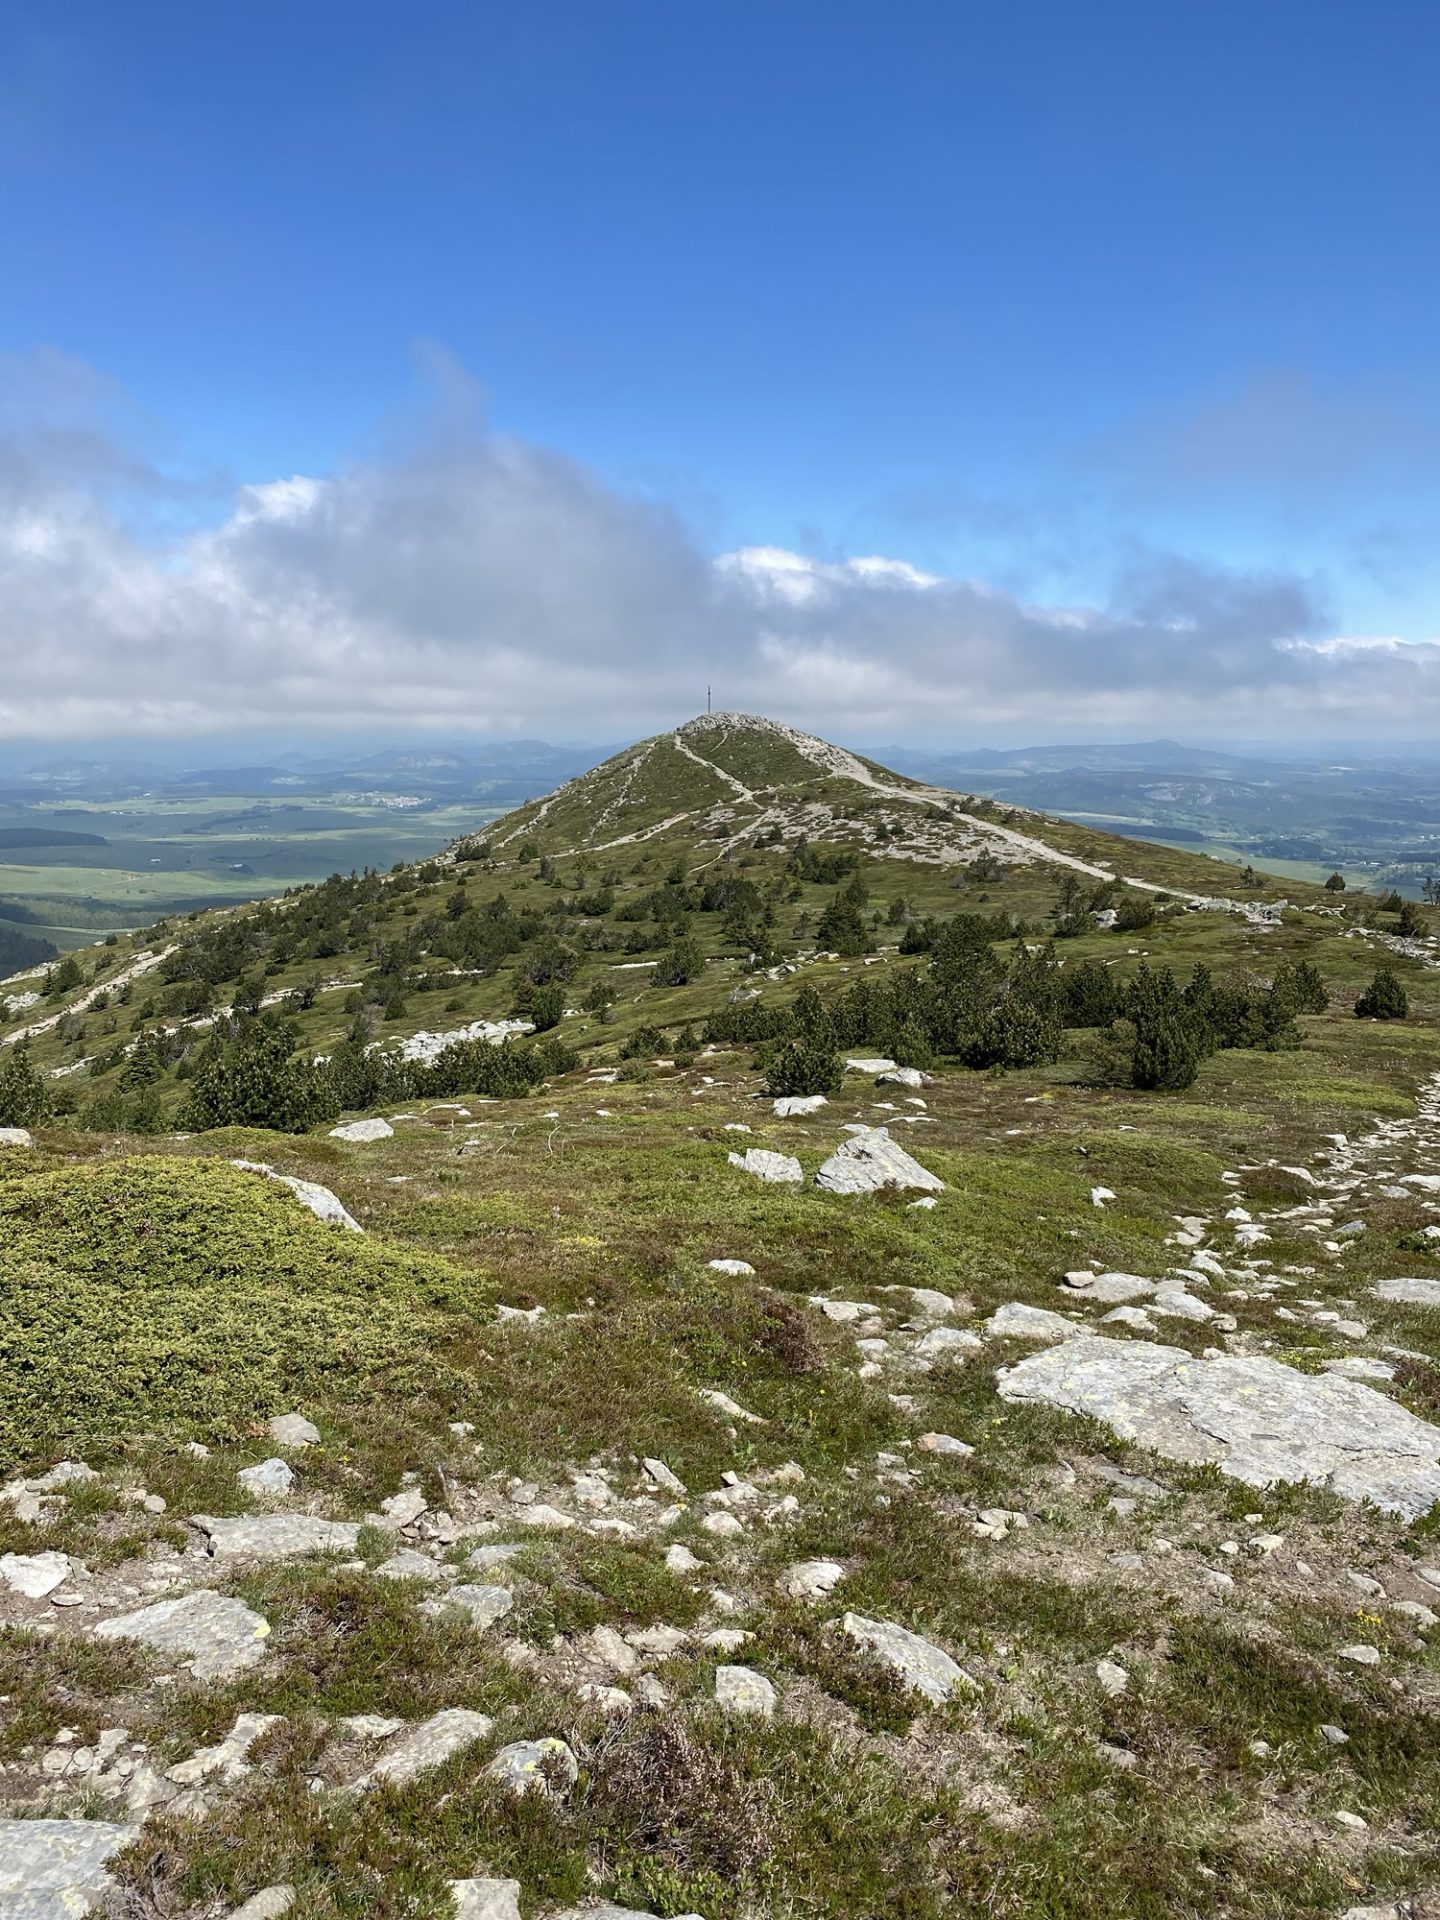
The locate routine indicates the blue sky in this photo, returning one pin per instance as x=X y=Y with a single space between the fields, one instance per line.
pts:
x=1056 y=301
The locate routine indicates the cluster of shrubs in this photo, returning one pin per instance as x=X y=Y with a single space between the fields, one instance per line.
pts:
x=971 y=1005
x=250 y=1074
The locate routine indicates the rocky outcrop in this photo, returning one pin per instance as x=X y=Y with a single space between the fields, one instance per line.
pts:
x=1257 y=1420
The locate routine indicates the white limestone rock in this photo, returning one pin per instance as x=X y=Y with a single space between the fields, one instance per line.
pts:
x=947 y=1343
x=275 y=1536
x=779 y=1169
x=535 y=1766
x=925 y=1668
x=737 y=1268
x=1111 y=1288
x=293 y=1430
x=1256 y=1419
x=811 y=1579
x=742 y=1690
x=272 y=1477
x=36 y=1575
x=425 y=1747
x=1409 y=1293
x=227 y=1759
x=219 y=1635
x=1017 y=1321
x=482 y=1605
x=486 y=1899
x=791 y=1106
x=16 y=1137
x=53 y=1868
x=869 y=1161
x=410 y=1565
x=363 y=1131
x=269 y=1904
x=320 y=1200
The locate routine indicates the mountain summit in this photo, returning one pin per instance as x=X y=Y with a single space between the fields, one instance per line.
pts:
x=726 y=778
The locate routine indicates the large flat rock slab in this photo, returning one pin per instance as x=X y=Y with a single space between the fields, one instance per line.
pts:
x=1257 y=1420
x=276 y=1536
x=219 y=1636
x=55 y=1869
x=425 y=1747
x=1410 y=1293
x=871 y=1160
x=923 y=1667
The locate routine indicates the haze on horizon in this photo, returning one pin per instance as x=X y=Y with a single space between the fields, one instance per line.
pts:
x=949 y=374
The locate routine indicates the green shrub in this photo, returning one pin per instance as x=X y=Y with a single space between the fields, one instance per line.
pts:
x=1383 y=999
x=151 y=1295
x=802 y=1066
x=247 y=1076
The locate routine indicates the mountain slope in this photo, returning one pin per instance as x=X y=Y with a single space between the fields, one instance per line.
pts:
x=724 y=779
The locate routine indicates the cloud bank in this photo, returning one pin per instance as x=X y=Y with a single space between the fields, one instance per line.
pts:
x=477 y=582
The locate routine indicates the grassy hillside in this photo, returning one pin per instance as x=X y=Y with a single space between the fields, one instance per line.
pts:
x=526 y=1340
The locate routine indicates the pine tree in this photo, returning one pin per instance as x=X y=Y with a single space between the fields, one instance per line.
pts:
x=1383 y=999
x=24 y=1097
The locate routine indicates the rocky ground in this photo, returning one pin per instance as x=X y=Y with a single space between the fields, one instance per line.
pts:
x=950 y=1497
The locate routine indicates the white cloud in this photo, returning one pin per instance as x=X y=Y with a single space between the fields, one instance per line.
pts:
x=479 y=582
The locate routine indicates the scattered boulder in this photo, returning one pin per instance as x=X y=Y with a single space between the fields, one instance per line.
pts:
x=905 y=1077
x=1256 y=1419
x=228 y=1757
x=410 y=1565
x=1112 y=1677
x=722 y=1403
x=657 y=1471
x=742 y=1690
x=269 y=1904
x=945 y=1342
x=945 y=1443
x=535 y=1766
x=811 y=1579
x=220 y=1635
x=293 y=1430
x=486 y=1899
x=482 y=1604
x=320 y=1200
x=401 y=1510
x=1111 y=1288
x=874 y=1065
x=737 y=1268
x=925 y=1668
x=16 y=1137
x=791 y=1105
x=485 y=1559
x=930 y=1303
x=425 y=1747
x=36 y=1575
x=57 y=1867
x=268 y=1477
x=869 y=1161
x=1135 y=1317
x=276 y=1536
x=780 y=1169
x=1016 y=1321
x=607 y=1912
x=363 y=1130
